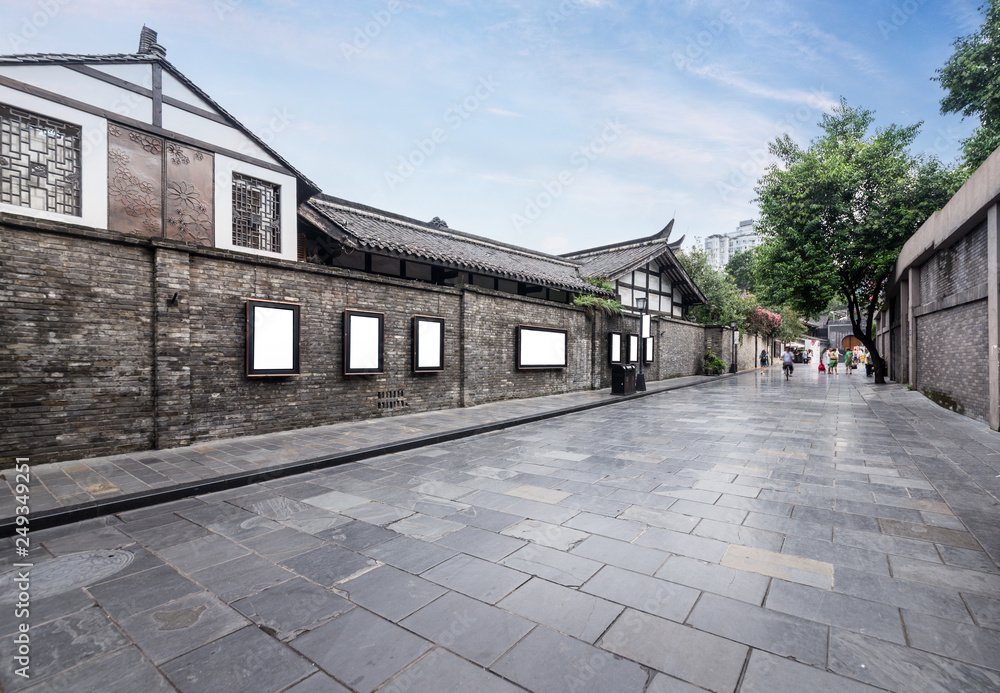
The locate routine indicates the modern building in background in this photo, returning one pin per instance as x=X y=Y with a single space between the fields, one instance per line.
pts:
x=720 y=247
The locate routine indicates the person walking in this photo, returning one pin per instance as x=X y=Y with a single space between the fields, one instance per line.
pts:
x=833 y=361
x=849 y=362
x=763 y=360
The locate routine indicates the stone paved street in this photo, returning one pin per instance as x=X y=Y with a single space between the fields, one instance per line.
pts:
x=746 y=534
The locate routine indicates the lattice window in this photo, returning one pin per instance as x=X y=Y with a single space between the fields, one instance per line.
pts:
x=256 y=214
x=39 y=162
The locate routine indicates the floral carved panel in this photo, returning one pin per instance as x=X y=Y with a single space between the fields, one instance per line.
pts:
x=135 y=182
x=189 y=212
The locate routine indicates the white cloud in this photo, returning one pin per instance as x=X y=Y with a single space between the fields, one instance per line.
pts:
x=718 y=74
x=504 y=113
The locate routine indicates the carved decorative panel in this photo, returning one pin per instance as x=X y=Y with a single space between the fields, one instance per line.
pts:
x=189 y=214
x=135 y=182
x=160 y=188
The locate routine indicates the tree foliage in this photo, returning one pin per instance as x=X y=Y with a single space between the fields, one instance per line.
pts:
x=741 y=269
x=724 y=303
x=972 y=79
x=764 y=322
x=834 y=216
x=791 y=327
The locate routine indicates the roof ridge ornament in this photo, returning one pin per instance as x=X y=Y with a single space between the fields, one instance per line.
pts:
x=148 y=44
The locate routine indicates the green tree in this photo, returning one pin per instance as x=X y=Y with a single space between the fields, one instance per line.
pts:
x=791 y=325
x=724 y=303
x=972 y=79
x=834 y=216
x=741 y=268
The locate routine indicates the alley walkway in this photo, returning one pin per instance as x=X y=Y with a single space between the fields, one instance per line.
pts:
x=746 y=534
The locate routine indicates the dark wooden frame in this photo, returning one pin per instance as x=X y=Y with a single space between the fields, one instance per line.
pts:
x=417 y=319
x=251 y=337
x=647 y=351
x=348 y=314
x=633 y=346
x=615 y=359
x=519 y=342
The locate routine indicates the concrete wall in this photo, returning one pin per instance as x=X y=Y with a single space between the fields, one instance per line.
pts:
x=100 y=360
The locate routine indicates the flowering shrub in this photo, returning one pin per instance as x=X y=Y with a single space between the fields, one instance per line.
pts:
x=763 y=322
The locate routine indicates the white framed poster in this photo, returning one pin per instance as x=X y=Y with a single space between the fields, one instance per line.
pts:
x=428 y=344
x=645 y=323
x=633 y=348
x=647 y=350
x=614 y=347
x=540 y=347
x=272 y=338
x=363 y=342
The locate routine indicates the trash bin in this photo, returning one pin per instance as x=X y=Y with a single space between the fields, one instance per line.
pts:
x=622 y=380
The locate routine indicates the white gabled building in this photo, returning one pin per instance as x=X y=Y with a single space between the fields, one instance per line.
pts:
x=126 y=142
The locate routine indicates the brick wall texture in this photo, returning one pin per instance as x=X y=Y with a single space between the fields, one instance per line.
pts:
x=952 y=343
x=99 y=357
x=76 y=357
x=952 y=351
x=961 y=267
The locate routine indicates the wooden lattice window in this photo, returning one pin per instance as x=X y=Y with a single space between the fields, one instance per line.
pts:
x=39 y=162
x=256 y=214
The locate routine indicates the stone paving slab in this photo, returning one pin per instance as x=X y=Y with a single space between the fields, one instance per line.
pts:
x=705 y=539
x=82 y=482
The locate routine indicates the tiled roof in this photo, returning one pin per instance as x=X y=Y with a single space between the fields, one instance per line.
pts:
x=383 y=232
x=54 y=58
x=149 y=58
x=614 y=260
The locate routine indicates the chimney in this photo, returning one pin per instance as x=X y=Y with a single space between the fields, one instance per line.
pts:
x=148 y=44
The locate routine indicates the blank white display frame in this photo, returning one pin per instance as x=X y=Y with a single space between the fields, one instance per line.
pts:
x=272 y=338
x=428 y=344
x=633 y=348
x=648 y=350
x=364 y=341
x=540 y=347
x=615 y=348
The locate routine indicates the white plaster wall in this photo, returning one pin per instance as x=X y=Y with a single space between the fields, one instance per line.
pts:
x=224 y=168
x=175 y=88
x=139 y=75
x=209 y=131
x=71 y=84
x=94 y=159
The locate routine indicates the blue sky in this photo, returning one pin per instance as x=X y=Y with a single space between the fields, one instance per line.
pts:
x=554 y=125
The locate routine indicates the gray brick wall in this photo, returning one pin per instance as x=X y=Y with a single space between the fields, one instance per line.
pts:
x=680 y=348
x=952 y=352
x=99 y=359
x=226 y=403
x=76 y=354
x=490 y=320
x=958 y=268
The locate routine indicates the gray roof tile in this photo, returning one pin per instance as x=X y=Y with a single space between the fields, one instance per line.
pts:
x=379 y=231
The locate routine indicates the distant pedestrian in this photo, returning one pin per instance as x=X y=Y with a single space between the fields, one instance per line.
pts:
x=763 y=360
x=849 y=362
x=833 y=361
